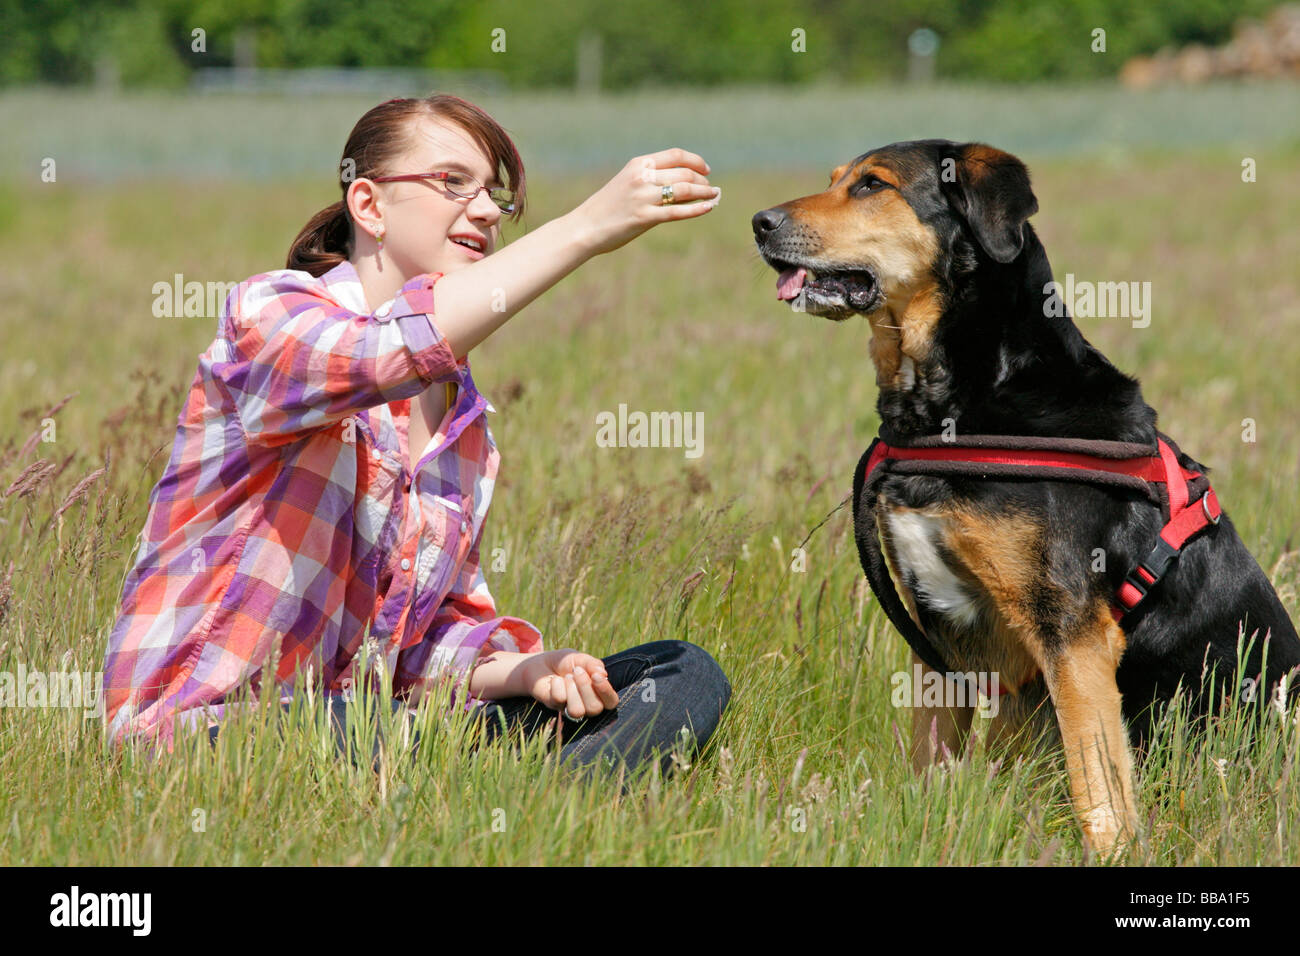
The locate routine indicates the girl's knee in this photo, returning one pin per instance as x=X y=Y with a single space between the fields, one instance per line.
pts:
x=688 y=658
x=701 y=664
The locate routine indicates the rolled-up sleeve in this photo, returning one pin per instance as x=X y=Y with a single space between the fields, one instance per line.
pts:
x=298 y=361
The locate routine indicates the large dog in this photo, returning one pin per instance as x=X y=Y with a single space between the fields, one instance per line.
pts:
x=1036 y=523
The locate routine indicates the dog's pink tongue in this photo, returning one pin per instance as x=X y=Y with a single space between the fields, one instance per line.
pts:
x=789 y=282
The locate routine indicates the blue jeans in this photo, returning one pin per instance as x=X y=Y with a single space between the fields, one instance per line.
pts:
x=663 y=687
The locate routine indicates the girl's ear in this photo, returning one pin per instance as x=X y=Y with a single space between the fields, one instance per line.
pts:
x=364 y=203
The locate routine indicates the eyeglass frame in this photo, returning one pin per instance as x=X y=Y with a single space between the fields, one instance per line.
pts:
x=411 y=177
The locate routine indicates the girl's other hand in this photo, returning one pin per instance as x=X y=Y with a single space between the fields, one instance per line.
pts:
x=632 y=202
x=569 y=680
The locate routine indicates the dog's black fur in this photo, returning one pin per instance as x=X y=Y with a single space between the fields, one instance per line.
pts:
x=997 y=363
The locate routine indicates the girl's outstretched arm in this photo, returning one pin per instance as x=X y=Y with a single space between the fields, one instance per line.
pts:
x=474 y=301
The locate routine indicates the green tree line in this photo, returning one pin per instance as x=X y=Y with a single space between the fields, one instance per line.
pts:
x=535 y=44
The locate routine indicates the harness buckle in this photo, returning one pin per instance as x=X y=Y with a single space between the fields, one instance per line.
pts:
x=1147 y=573
x=1205 y=506
x=1158 y=561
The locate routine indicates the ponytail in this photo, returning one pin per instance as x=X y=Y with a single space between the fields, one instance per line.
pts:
x=323 y=242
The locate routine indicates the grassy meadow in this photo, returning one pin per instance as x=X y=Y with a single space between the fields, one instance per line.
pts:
x=606 y=548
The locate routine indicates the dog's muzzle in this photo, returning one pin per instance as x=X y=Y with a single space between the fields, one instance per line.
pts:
x=804 y=279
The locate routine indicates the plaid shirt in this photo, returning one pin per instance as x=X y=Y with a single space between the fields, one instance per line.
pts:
x=288 y=512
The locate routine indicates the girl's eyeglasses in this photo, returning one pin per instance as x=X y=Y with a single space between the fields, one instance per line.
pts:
x=459 y=184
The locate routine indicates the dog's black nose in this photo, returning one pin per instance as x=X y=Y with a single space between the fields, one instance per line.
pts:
x=769 y=220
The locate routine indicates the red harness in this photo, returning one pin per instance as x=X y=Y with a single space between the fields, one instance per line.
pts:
x=1188 y=502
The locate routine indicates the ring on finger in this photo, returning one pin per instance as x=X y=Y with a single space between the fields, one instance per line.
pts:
x=667 y=198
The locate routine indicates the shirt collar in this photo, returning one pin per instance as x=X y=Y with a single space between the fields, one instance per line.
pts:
x=345 y=285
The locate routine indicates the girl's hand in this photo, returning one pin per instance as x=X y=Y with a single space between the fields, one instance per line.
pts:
x=569 y=680
x=631 y=202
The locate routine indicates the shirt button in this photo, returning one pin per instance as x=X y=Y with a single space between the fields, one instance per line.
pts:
x=464 y=526
x=406 y=564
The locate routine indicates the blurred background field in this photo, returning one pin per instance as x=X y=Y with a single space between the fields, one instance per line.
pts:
x=114 y=137
x=606 y=548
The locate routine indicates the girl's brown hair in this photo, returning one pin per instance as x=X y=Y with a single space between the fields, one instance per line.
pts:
x=379 y=136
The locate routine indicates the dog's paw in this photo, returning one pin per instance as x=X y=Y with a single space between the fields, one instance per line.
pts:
x=1107 y=833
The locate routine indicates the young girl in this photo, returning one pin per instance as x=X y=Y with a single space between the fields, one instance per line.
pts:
x=333 y=466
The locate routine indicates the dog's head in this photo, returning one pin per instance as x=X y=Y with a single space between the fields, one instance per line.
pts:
x=897 y=222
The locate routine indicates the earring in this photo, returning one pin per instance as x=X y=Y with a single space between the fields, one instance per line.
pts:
x=379 y=235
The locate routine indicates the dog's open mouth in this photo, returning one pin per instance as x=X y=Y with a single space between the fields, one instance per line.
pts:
x=830 y=294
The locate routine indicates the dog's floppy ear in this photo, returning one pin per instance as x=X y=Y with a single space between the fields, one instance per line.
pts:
x=990 y=189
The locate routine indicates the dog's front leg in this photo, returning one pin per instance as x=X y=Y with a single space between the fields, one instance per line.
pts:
x=951 y=725
x=1081 y=679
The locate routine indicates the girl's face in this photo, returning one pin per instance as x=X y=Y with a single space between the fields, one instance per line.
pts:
x=419 y=218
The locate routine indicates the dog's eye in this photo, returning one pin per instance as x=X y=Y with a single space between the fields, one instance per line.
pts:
x=871 y=184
